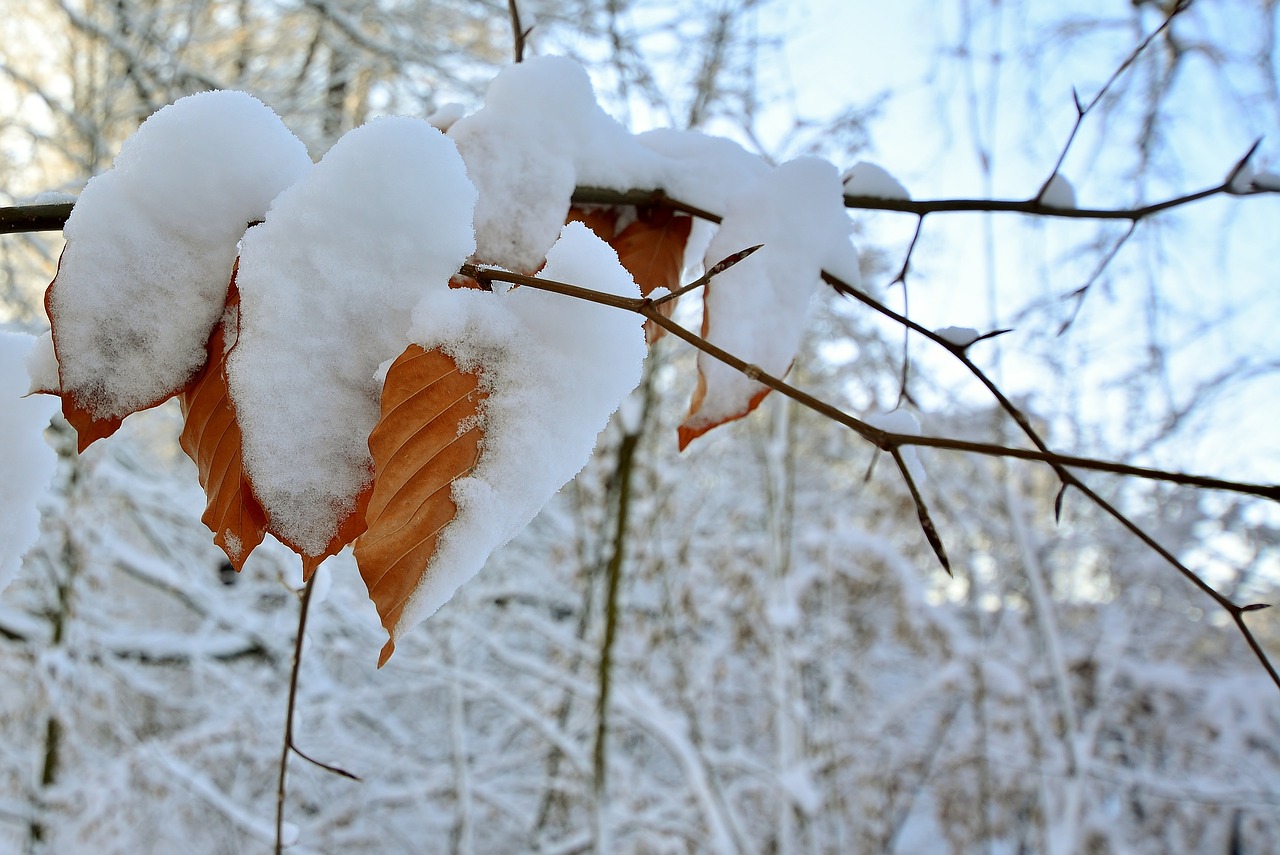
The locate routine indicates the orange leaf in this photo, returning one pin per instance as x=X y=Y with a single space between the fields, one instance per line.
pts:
x=694 y=426
x=601 y=220
x=89 y=428
x=348 y=529
x=211 y=438
x=652 y=250
x=428 y=437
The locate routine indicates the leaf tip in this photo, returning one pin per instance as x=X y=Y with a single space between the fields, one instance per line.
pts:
x=387 y=650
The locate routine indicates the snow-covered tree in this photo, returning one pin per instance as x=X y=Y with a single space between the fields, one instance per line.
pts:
x=810 y=632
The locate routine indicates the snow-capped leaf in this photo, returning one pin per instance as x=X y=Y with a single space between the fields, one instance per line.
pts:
x=150 y=246
x=757 y=309
x=328 y=283
x=554 y=369
x=428 y=437
x=211 y=438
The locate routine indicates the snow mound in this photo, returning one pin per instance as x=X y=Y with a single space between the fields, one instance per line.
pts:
x=151 y=244
x=327 y=286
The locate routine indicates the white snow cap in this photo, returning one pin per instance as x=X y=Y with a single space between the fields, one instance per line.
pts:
x=539 y=134
x=959 y=336
x=555 y=369
x=151 y=243
x=757 y=309
x=869 y=179
x=327 y=285
x=1265 y=181
x=27 y=462
x=1059 y=193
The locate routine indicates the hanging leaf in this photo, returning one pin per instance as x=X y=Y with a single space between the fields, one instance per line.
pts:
x=652 y=250
x=428 y=437
x=350 y=526
x=89 y=425
x=211 y=438
x=692 y=428
x=757 y=309
x=601 y=219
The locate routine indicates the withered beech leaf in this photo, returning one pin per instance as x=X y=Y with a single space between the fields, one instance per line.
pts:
x=428 y=436
x=349 y=526
x=89 y=427
x=692 y=428
x=601 y=219
x=695 y=426
x=651 y=248
x=211 y=438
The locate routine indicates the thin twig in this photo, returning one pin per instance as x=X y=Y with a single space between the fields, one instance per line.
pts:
x=922 y=511
x=715 y=270
x=518 y=32
x=1083 y=110
x=891 y=442
x=1083 y=291
x=289 y=746
x=881 y=438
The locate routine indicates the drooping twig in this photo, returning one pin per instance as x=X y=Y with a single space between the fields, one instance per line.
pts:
x=288 y=743
x=922 y=511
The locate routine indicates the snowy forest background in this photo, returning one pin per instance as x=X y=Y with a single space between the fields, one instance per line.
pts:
x=790 y=669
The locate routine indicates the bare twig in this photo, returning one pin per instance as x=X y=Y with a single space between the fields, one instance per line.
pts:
x=922 y=511
x=715 y=270
x=892 y=442
x=288 y=744
x=518 y=32
x=1083 y=110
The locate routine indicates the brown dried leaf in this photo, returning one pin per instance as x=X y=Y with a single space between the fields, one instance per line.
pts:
x=652 y=250
x=89 y=427
x=695 y=426
x=603 y=220
x=428 y=437
x=692 y=428
x=211 y=438
x=349 y=527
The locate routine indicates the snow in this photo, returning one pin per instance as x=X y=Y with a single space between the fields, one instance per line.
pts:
x=26 y=462
x=328 y=283
x=1058 y=193
x=151 y=242
x=42 y=364
x=540 y=134
x=54 y=197
x=869 y=179
x=959 y=336
x=446 y=115
x=703 y=170
x=555 y=369
x=758 y=309
x=1265 y=181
